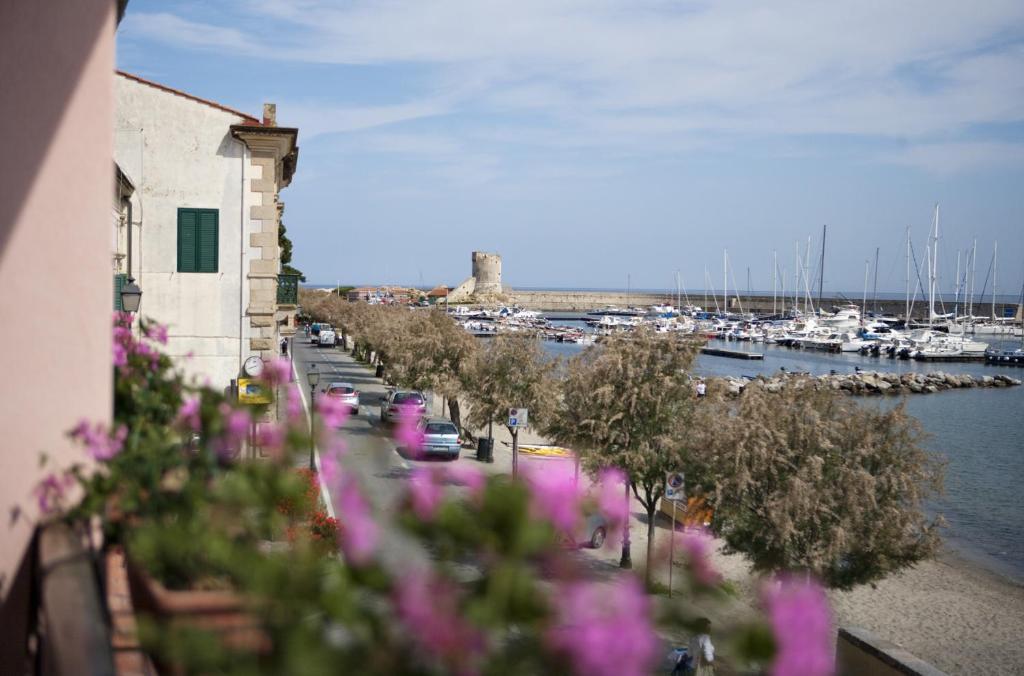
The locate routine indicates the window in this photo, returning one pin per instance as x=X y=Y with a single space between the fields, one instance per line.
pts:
x=197 y=240
x=119 y=281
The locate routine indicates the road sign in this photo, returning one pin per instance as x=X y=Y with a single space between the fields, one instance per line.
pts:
x=675 y=486
x=252 y=392
x=518 y=417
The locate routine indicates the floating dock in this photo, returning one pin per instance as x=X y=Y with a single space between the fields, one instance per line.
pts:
x=731 y=354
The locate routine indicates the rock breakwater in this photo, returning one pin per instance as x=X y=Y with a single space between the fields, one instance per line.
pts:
x=864 y=383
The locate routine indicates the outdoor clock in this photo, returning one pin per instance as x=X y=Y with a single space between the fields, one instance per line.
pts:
x=253 y=366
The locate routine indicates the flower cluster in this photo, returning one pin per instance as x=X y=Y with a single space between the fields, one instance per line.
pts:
x=100 y=443
x=802 y=625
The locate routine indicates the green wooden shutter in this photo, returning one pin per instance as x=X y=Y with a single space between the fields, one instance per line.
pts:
x=207 y=259
x=119 y=281
x=188 y=240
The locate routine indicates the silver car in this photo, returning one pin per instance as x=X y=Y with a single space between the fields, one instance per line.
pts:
x=346 y=393
x=440 y=437
x=396 y=402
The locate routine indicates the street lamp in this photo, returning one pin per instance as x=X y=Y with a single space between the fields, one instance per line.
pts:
x=313 y=376
x=131 y=296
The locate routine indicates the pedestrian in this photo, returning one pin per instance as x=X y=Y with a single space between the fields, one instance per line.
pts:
x=702 y=388
x=701 y=651
x=284 y=346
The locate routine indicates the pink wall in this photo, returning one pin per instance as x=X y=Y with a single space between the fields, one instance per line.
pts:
x=56 y=187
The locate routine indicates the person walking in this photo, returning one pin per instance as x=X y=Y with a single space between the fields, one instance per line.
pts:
x=702 y=388
x=701 y=650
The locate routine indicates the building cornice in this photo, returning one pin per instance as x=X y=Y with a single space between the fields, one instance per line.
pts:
x=281 y=142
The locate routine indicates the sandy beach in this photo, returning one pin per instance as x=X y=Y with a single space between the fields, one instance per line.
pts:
x=950 y=612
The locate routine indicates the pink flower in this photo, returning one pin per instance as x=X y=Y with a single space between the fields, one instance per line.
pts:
x=157 y=332
x=468 y=476
x=270 y=436
x=50 y=491
x=554 y=495
x=330 y=469
x=604 y=630
x=236 y=430
x=697 y=546
x=609 y=498
x=99 y=443
x=407 y=432
x=120 y=355
x=425 y=493
x=188 y=414
x=333 y=411
x=278 y=371
x=802 y=624
x=359 y=533
x=294 y=405
x=428 y=606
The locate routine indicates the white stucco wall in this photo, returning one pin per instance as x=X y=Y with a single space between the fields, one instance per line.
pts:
x=180 y=153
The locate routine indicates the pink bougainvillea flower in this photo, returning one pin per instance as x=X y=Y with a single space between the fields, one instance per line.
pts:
x=332 y=411
x=120 y=354
x=359 y=533
x=270 y=437
x=188 y=414
x=330 y=467
x=278 y=371
x=425 y=493
x=99 y=443
x=468 y=476
x=428 y=606
x=697 y=546
x=157 y=332
x=294 y=406
x=802 y=624
x=609 y=497
x=236 y=430
x=554 y=495
x=604 y=630
x=407 y=432
x=50 y=491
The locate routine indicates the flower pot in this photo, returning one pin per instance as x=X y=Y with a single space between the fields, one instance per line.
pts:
x=223 y=613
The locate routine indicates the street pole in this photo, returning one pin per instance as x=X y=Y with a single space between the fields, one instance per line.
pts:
x=626 y=562
x=312 y=434
x=671 y=549
x=515 y=451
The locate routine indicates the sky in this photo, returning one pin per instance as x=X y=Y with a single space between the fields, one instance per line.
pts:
x=600 y=143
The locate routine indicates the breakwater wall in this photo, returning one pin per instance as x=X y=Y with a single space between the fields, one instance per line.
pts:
x=873 y=382
x=581 y=301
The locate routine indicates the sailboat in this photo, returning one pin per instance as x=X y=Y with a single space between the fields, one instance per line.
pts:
x=1010 y=357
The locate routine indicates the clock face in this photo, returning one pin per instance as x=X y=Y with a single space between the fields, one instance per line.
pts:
x=253 y=366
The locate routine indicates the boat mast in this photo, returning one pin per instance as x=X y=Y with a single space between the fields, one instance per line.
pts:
x=933 y=264
x=956 y=289
x=796 y=279
x=807 y=277
x=725 y=280
x=995 y=260
x=775 y=278
x=906 y=319
x=864 y=300
x=974 y=270
x=874 y=292
x=821 y=266
x=628 y=284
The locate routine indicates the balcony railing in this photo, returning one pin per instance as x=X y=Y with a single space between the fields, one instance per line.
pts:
x=287 y=289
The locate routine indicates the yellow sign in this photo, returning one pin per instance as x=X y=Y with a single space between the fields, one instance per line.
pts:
x=252 y=392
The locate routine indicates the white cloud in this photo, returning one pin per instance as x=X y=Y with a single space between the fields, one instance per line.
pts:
x=654 y=74
x=952 y=158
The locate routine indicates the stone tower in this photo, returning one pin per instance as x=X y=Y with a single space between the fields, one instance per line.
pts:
x=487 y=272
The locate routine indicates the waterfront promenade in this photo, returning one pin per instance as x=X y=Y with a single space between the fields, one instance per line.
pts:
x=950 y=612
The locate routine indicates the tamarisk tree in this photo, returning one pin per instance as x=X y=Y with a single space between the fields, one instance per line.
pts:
x=809 y=480
x=626 y=403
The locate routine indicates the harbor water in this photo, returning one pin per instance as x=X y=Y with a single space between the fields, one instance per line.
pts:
x=979 y=432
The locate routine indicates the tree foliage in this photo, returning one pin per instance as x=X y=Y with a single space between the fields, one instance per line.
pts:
x=627 y=403
x=808 y=480
x=513 y=371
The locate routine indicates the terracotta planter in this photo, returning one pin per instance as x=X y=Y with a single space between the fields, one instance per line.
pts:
x=223 y=613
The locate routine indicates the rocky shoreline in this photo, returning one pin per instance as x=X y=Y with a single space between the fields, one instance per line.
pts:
x=864 y=383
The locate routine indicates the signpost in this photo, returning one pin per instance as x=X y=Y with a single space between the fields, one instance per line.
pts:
x=675 y=491
x=517 y=417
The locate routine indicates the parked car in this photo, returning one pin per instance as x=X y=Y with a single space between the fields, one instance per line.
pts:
x=396 y=400
x=346 y=392
x=314 y=329
x=592 y=532
x=327 y=338
x=440 y=437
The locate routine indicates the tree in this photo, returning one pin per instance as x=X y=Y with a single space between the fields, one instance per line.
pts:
x=809 y=480
x=285 y=244
x=513 y=371
x=626 y=403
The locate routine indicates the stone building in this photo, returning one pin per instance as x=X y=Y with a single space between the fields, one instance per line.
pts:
x=206 y=185
x=484 y=282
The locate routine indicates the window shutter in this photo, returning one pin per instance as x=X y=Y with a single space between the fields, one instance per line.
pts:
x=119 y=281
x=188 y=240
x=207 y=259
